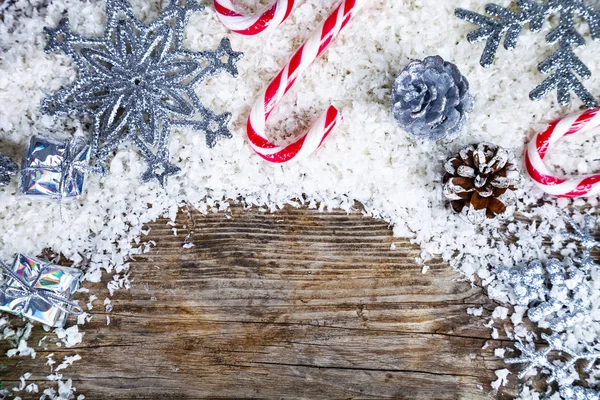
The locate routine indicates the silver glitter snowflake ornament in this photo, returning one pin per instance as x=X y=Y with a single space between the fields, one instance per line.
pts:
x=8 y=169
x=559 y=371
x=137 y=82
x=565 y=67
x=559 y=297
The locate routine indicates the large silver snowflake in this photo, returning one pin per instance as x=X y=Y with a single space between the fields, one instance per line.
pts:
x=564 y=65
x=560 y=297
x=137 y=82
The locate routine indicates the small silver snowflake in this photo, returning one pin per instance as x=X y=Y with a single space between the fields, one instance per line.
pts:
x=137 y=82
x=558 y=370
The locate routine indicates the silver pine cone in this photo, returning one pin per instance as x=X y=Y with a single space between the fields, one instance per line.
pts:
x=431 y=99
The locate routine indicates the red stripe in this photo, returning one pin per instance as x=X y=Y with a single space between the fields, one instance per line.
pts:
x=326 y=38
x=286 y=154
x=220 y=9
x=294 y=63
x=348 y=12
x=584 y=187
x=330 y=122
x=271 y=95
x=328 y=32
x=289 y=9
x=546 y=180
x=582 y=121
x=261 y=24
x=292 y=150
x=256 y=139
x=542 y=141
x=346 y=20
x=349 y=5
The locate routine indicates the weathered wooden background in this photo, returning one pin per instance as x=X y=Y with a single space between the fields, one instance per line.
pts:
x=296 y=304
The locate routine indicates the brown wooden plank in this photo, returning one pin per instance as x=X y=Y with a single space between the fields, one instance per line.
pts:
x=296 y=304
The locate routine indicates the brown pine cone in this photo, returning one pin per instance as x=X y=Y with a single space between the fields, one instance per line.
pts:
x=480 y=182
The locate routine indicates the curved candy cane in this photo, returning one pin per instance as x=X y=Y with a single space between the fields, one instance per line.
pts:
x=253 y=24
x=586 y=185
x=283 y=82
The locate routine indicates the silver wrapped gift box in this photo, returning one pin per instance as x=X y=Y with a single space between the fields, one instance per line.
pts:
x=55 y=169
x=39 y=291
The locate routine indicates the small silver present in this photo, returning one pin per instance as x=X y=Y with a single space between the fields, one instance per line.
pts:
x=39 y=290
x=55 y=169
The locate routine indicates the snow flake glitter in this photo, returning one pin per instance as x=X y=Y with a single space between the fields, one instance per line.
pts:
x=559 y=297
x=137 y=82
x=564 y=64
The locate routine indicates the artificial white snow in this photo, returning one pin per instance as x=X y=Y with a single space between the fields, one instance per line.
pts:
x=475 y=311
x=500 y=313
x=70 y=336
x=50 y=361
x=369 y=159
x=90 y=303
x=495 y=334
x=65 y=391
x=68 y=360
x=54 y=377
x=23 y=382
x=502 y=375
x=18 y=338
x=32 y=388
x=83 y=318
x=108 y=305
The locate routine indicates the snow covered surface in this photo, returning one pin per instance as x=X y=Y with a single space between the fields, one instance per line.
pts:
x=369 y=159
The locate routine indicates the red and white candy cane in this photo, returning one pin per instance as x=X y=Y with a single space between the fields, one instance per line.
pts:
x=253 y=24
x=284 y=81
x=581 y=186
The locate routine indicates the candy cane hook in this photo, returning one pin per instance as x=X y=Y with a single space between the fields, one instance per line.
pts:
x=586 y=185
x=284 y=81
x=253 y=24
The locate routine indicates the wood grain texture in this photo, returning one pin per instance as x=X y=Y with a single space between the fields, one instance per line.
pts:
x=296 y=304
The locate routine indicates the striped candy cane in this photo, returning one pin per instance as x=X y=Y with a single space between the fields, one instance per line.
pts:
x=253 y=24
x=283 y=82
x=586 y=185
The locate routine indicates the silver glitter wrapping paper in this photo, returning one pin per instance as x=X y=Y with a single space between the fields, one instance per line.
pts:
x=564 y=66
x=42 y=277
x=55 y=169
x=137 y=82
